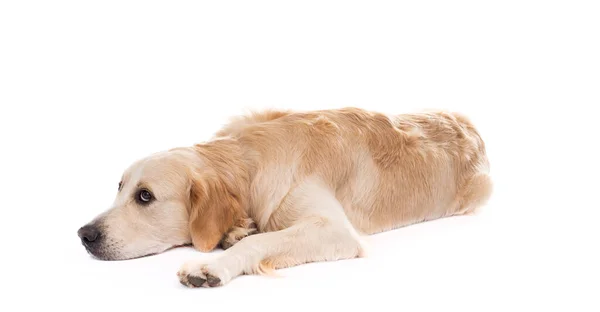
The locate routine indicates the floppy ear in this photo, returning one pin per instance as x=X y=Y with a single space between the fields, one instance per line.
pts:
x=214 y=207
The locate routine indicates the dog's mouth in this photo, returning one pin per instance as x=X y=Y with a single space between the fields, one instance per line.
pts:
x=102 y=253
x=99 y=252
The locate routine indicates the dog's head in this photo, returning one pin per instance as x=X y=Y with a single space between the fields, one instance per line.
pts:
x=168 y=199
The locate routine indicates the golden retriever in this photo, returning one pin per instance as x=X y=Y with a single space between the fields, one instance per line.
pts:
x=281 y=188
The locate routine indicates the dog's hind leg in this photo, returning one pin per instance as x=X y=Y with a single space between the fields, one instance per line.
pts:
x=474 y=194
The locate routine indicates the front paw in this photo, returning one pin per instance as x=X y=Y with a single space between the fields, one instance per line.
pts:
x=246 y=228
x=201 y=274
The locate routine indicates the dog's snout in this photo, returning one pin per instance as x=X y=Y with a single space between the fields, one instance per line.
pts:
x=89 y=234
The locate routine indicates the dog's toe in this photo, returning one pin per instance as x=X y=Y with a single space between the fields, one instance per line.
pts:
x=196 y=281
x=213 y=281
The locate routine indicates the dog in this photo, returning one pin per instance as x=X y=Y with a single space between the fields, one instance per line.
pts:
x=277 y=189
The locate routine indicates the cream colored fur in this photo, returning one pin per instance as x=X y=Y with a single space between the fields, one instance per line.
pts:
x=282 y=188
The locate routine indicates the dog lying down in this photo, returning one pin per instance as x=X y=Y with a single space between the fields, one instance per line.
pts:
x=281 y=188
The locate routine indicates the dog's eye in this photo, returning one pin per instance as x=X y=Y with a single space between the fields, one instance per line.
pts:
x=144 y=196
x=120 y=185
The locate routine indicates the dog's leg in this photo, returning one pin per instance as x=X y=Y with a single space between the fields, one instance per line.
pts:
x=321 y=233
x=475 y=194
x=243 y=228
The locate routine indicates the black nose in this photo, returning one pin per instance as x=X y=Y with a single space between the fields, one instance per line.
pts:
x=89 y=234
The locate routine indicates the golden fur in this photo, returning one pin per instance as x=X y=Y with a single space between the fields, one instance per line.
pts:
x=282 y=188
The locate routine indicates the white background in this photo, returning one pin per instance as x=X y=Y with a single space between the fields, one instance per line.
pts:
x=87 y=87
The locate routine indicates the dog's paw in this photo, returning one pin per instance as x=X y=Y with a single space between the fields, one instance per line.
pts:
x=203 y=274
x=246 y=227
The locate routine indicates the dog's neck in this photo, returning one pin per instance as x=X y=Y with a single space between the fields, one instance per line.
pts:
x=226 y=156
x=227 y=160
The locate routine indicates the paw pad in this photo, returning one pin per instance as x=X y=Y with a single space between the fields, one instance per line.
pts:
x=195 y=281
x=199 y=281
